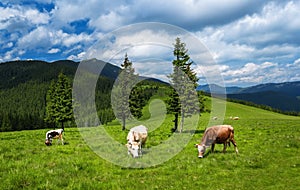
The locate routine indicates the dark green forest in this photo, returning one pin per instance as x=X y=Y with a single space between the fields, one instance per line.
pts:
x=24 y=85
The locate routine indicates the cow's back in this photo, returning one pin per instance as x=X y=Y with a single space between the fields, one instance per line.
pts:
x=138 y=133
x=139 y=129
x=217 y=134
x=225 y=133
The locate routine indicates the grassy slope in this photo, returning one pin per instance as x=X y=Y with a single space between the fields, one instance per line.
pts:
x=269 y=159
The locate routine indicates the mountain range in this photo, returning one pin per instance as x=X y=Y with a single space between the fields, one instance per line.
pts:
x=283 y=96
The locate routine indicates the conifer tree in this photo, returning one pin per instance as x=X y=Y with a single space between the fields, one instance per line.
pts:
x=121 y=91
x=59 y=101
x=183 y=97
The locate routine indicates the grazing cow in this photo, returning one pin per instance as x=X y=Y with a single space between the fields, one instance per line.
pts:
x=54 y=134
x=220 y=134
x=136 y=138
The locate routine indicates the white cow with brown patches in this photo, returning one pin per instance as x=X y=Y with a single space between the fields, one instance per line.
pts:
x=136 y=139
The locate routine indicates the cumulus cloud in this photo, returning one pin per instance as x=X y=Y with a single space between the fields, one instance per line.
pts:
x=54 y=50
x=248 y=74
x=140 y=43
x=80 y=56
x=275 y=24
x=13 y=18
x=44 y=38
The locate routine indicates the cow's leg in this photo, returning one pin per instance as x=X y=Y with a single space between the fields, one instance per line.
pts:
x=60 y=139
x=140 y=149
x=235 y=146
x=213 y=147
x=225 y=146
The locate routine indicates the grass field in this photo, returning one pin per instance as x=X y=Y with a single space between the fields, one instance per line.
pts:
x=269 y=158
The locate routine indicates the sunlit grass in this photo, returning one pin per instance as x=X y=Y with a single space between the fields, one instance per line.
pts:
x=268 y=144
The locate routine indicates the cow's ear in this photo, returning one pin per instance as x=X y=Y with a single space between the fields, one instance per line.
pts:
x=127 y=145
x=196 y=145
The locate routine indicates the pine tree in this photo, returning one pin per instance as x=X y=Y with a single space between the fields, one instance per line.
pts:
x=121 y=91
x=59 y=101
x=184 y=81
x=63 y=96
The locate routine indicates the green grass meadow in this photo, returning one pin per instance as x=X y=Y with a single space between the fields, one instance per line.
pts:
x=269 y=158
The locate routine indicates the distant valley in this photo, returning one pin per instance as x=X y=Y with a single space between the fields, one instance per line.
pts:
x=283 y=96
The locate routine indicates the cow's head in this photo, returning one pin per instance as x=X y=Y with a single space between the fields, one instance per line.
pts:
x=201 y=150
x=133 y=148
x=48 y=142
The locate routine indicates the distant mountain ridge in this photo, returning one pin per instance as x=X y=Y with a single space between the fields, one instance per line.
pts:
x=15 y=72
x=283 y=96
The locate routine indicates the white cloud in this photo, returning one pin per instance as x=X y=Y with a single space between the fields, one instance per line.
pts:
x=112 y=19
x=270 y=26
x=8 y=45
x=249 y=74
x=139 y=43
x=43 y=37
x=154 y=68
x=268 y=35
x=294 y=65
x=77 y=57
x=23 y=14
x=252 y=73
x=36 y=17
x=54 y=50
x=71 y=39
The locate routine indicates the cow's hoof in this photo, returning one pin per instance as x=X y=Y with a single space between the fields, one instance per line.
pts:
x=200 y=156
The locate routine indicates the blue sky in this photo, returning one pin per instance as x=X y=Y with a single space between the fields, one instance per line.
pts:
x=252 y=42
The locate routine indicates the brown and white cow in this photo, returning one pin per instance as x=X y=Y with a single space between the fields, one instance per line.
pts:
x=136 y=139
x=54 y=134
x=220 y=134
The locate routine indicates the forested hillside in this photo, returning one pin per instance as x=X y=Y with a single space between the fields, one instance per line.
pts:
x=23 y=88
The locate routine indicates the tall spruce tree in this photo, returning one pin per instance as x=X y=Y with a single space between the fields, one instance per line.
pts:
x=183 y=98
x=121 y=92
x=59 y=107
